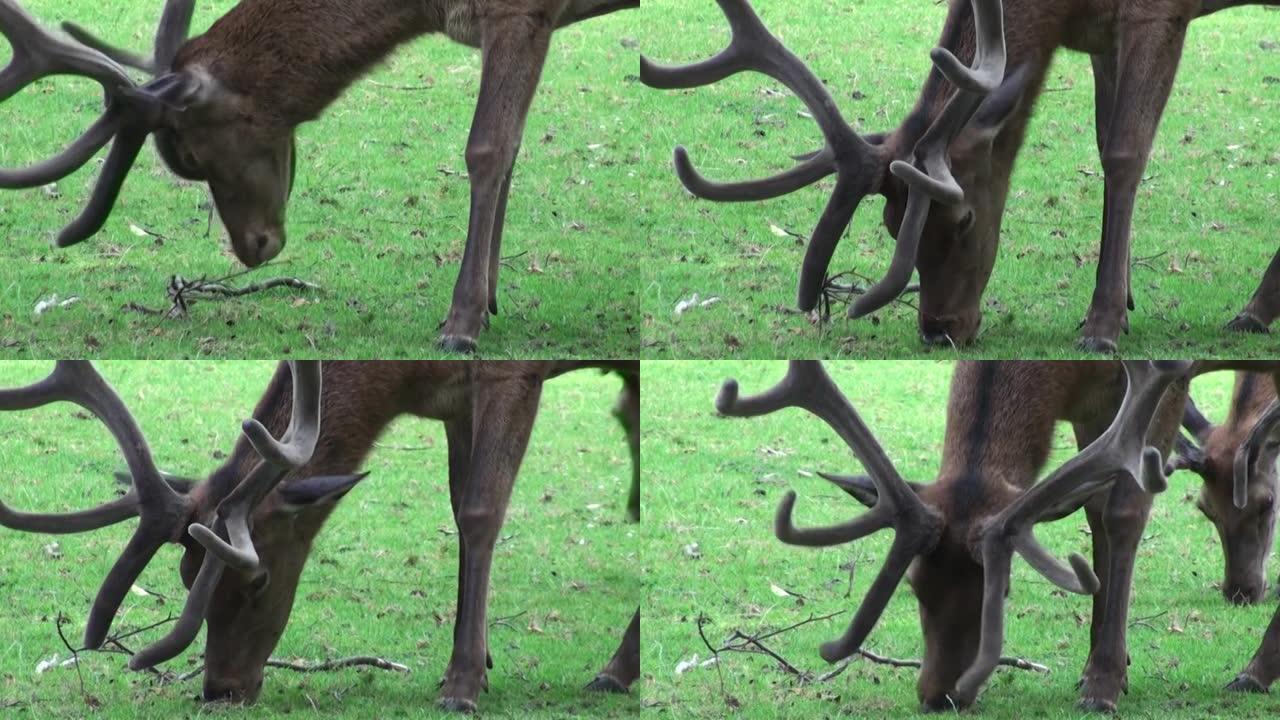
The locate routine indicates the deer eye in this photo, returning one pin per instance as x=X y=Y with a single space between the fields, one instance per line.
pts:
x=259 y=584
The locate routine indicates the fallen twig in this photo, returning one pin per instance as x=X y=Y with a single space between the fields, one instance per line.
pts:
x=328 y=665
x=739 y=641
x=183 y=292
x=1146 y=621
x=506 y=621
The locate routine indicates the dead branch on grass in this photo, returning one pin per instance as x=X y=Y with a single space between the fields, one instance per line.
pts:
x=753 y=644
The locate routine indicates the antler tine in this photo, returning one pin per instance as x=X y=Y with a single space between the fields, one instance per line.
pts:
x=990 y=57
x=175 y=25
x=1267 y=430
x=184 y=631
x=917 y=528
x=161 y=508
x=278 y=458
x=1121 y=449
x=856 y=162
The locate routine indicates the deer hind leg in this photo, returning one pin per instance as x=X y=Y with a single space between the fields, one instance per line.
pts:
x=1264 y=668
x=1145 y=66
x=503 y=415
x=1264 y=307
x=1117 y=520
x=628 y=413
x=458 y=434
x=624 y=668
x=514 y=49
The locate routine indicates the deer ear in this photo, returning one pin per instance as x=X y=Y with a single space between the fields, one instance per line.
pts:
x=320 y=490
x=861 y=487
x=1187 y=456
x=180 y=485
x=171 y=93
x=998 y=107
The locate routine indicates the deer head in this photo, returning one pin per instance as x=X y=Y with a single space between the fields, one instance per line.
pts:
x=957 y=556
x=1237 y=462
x=246 y=536
x=945 y=224
x=203 y=130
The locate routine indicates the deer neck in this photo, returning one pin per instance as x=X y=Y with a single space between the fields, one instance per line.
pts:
x=1252 y=395
x=292 y=59
x=997 y=440
x=358 y=403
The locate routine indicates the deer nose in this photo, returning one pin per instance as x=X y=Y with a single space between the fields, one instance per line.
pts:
x=259 y=245
x=941 y=702
x=1246 y=593
x=222 y=691
x=948 y=331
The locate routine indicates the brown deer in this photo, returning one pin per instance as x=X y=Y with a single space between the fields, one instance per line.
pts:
x=944 y=172
x=1246 y=532
x=224 y=107
x=248 y=529
x=954 y=539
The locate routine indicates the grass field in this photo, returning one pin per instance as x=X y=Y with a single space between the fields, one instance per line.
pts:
x=712 y=486
x=381 y=579
x=378 y=217
x=1204 y=223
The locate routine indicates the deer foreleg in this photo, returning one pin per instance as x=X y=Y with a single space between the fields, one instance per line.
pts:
x=1118 y=519
x=1264 y=307
x=628 y=413
x=1264 y=668
x=624 y=667
x=502 y=419
x=514 y=49
x=458 y=434
x=1146 y=63
x=495 y=247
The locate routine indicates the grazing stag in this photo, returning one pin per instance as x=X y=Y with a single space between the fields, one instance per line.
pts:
x=944 y=172
x=1261 y=443
x=954 y=539
x=248 y=529
x=224 y=108
x=1246 y=531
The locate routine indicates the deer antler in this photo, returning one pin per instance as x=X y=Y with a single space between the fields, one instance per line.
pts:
x=161 y=509
x=175 y=25
x=1266 y=432
x=917 y=528
x=131 y=112
x=278 y=457
x=857 y=162
x=1120 y=450
x=292 y=451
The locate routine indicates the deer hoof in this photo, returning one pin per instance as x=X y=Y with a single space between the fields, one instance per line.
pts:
x=459 y=344
x=605 y=683
x=1097 y=705
x=459 y=705
x=1245 y=682
x=1247 y=323
x=1099 y=345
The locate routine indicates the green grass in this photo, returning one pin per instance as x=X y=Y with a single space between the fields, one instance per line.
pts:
x=1206 y=209
x=378 y=217
x=381 y=579
x=716 y=482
